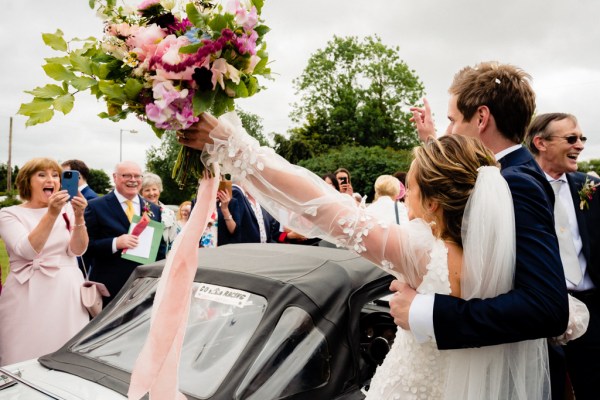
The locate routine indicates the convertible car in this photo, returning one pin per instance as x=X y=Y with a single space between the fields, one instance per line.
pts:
x=266 y=322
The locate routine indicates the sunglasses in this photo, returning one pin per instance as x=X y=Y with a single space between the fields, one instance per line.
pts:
x=572 y=139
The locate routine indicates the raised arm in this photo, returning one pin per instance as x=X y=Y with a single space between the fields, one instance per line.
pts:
x=315 y=209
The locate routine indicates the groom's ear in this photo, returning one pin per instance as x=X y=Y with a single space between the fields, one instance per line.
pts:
x=483 y=117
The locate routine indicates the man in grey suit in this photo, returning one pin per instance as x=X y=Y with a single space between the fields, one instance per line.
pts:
x=556 y=141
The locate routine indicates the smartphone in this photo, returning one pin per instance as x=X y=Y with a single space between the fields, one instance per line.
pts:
x=70 y=182
x=226 y=186
x=343 y=180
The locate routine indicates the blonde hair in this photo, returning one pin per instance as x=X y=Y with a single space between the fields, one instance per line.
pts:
x=445 y=171
x=23 y=181
x=387 y=185
x=185 y=203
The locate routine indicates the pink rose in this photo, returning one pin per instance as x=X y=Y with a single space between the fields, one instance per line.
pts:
x=145 y=41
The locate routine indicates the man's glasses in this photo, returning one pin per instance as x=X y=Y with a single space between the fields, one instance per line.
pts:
x=572 y=139
x=131 y=176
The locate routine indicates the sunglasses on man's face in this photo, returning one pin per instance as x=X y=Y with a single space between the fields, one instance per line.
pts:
x=572 y=139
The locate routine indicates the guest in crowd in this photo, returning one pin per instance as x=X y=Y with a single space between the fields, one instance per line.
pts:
x=343 y=177
x=84 y=175
x=41 y=308
x=151 y=189
x=556 y=140
x=385 y=206
x=242 y=220
x=108 y=220
x=330 y=179
x=183 y=214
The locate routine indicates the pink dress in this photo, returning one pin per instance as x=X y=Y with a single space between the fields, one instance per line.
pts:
x=40 y=306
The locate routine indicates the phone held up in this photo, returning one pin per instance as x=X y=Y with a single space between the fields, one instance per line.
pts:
x=70 y=182
x=343 y=180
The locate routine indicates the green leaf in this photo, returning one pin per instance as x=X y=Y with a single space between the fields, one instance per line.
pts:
x=259 y=68
x=80 y=63
x=240 y=89
x=190 y=49
x=218 y=23
x=252 y=86
x=58 y=60
x=113 y=91
x=39 y=117
x=35 y=106
x=203 y=101
x=258 y=4
x=222 y=104
x=64 y=104
x=133 y=87
x=262 y=30
x=55 y=40
x=193 y=15
x=83 y=82
x=101 y=70
x=58 y=72
x=48 y=91
x=92 y=4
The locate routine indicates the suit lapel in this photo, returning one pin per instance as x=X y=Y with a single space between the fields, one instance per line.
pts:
x=116 y=210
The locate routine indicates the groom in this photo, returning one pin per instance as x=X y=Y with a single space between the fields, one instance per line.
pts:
x=495 y=103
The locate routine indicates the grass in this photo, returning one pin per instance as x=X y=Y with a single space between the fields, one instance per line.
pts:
x=3 y=260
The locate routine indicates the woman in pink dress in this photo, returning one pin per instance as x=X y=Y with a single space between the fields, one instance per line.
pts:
x=40 y=307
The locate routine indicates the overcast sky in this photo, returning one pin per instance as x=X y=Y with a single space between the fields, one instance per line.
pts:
x=555 y=41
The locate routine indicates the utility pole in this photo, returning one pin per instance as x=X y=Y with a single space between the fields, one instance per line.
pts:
x=9 y=163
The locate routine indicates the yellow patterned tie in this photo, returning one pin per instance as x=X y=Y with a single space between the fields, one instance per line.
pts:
x=129 y=210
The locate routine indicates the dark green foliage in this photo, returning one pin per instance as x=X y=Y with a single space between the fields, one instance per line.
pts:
x=99 y=181
x=4 y=175
x=364 y=163
x=587 y=166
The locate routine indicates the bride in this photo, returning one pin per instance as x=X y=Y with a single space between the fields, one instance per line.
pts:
x=460 y=241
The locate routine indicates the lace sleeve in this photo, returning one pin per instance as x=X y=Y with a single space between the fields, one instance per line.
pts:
x=314 y=208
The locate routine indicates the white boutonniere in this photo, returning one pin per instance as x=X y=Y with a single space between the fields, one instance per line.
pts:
x=167 y=217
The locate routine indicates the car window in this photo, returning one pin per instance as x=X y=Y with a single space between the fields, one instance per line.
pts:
x=221 y=322
x=295 y=359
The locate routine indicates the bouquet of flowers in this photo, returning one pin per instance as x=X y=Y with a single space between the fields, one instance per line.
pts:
x=166 y=61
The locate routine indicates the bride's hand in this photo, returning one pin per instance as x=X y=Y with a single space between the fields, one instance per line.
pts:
x=423 y=121
x=197 y=135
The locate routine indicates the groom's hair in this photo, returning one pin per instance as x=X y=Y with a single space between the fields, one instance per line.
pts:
x=445 y=170
x=505 y=89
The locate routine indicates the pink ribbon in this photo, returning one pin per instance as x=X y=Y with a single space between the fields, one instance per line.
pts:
x=46 y=265
x=156 y=369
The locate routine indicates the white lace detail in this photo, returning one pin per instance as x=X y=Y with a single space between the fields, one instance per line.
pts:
x=413 y=371
x=355 y=228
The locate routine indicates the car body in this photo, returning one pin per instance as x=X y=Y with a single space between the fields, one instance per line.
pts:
x=267 y=321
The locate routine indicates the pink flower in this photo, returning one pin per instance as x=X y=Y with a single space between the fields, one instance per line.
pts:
x=172 y=108
x=221 y=69
x=247 y=42
x=123 y=29
x=147 y=3
x=246 y=18
x=145 y=41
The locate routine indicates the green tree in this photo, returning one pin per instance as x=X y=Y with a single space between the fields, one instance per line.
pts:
x=353 y=92
x=364 y=163
x=161 y=159
x=99 y=181
x=591 y=165
x=4 y=176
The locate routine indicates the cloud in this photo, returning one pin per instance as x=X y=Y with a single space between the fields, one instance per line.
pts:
x=553 y=40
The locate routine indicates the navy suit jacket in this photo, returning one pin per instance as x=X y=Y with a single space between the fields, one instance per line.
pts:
x=537 y=307
x=588 y=221
x=88 y=193
x=247 y=230
x=106 y=220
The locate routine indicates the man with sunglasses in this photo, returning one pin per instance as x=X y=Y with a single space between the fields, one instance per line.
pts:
x=108 y=219
x=556 y=142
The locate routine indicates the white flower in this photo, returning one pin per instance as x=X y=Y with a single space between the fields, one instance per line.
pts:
x=167 y=217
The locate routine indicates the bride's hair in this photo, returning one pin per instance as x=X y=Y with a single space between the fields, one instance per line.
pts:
x=445 y=170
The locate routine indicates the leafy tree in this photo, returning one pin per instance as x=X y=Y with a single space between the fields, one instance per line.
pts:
x=99 y=181
x=587 y=166
x=353 y=92
x=4 y=176
x=364 y=163
x=161 y=159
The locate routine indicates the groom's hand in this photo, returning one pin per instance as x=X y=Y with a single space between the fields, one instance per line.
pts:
x=400 y=303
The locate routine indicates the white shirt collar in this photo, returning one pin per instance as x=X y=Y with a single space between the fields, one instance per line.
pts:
x=122 y=199
x=507 y=151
